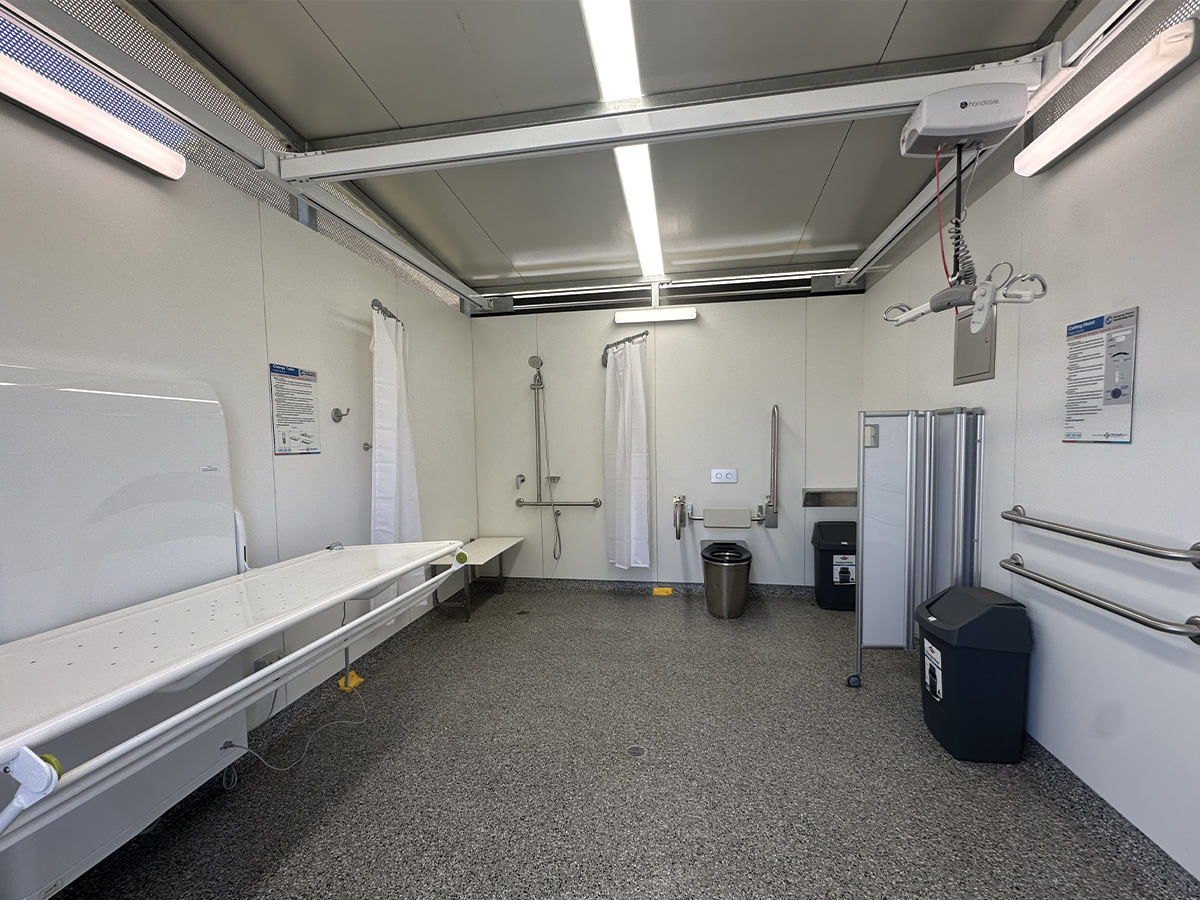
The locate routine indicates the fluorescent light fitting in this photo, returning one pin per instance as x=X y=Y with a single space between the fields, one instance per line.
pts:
x=56 y=103
x=656 y=314
x=583 y=289
x=1169 y=53
x=752 y=279
x=609 y=26
x=633 y=165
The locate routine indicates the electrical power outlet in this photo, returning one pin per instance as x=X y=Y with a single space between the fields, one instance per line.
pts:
x=723 y=476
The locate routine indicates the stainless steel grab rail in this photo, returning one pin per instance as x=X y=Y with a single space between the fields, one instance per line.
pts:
x=1189 y=629
x=1192 y=554
x=596 y=503
x=773 y=499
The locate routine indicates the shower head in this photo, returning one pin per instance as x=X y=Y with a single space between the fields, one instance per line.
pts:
x=535 y=361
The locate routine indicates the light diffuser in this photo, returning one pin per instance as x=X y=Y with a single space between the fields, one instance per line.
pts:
x=656 y=314
x=609 y=26
x=633 y=164
x=56 y=103
x=1168 y=53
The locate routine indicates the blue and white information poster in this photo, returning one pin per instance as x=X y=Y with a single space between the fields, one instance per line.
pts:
x=294 y=410
x=1100 y=359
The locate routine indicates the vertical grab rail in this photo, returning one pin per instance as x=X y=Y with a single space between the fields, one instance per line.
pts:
x=773 y=506
x=770 y=511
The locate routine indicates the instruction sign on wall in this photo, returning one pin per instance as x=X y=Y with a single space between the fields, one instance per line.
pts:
x=294 y=410
x=1100 y=363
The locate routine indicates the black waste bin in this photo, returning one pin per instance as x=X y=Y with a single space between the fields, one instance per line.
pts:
x=974 y=672
x=834 y=555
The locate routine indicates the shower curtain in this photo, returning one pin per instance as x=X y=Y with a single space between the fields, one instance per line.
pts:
x=626 y=457
x=395 y=507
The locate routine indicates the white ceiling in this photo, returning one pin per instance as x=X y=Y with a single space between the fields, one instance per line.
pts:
x=820 y=193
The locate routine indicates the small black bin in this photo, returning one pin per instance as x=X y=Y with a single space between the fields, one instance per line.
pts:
x=834 y=554
x=974 y=672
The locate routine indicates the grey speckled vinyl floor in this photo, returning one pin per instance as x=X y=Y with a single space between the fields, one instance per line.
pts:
x=495 y=764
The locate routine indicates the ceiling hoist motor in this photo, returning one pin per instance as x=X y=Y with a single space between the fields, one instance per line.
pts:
x=977 y=117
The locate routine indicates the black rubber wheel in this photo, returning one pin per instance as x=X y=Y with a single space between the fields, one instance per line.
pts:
x=853 y=681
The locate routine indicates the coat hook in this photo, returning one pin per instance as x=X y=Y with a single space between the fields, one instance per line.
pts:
x=338 y=415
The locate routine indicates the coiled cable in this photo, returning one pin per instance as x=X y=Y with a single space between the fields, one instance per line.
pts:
x=964 y=273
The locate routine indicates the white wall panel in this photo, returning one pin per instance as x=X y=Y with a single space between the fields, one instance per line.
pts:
x=710 y=387
x=504 y=435
x=570 y=346
x=1104 y=220
x=110 y=269
x=1104 y=693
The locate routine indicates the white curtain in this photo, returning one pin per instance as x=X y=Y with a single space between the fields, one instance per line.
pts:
x=395 y=507
x=626 y=457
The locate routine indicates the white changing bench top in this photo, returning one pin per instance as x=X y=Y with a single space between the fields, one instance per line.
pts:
x=53 y=682
x=482 y=550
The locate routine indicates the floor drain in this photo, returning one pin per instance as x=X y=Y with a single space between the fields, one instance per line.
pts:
x=635 y=751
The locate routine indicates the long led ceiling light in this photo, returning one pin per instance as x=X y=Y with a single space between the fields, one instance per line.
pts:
x=38 y=93
x=609 y=25
x=1167 y=54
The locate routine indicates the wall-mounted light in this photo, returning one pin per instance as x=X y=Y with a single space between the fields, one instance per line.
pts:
x=656 y=314
x=1169 y=53
x=56 y=103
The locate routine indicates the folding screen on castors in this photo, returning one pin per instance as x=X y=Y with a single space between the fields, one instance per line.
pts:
x=920 y=473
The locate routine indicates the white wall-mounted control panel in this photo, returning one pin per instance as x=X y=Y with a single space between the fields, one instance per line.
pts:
x=724 y=476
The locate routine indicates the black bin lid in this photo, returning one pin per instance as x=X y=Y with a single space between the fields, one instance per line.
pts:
x=977 y=617
x=838 y=536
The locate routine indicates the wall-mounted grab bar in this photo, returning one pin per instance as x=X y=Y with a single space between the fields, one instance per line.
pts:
x=1192 y=554
x=1189 y=629
x=771 y=517
x=680 y=515
x=596 y=503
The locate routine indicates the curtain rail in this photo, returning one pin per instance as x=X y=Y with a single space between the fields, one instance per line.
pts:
x=607 y=347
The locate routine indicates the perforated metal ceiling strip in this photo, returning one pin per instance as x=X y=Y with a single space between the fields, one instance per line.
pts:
x=1155 y=19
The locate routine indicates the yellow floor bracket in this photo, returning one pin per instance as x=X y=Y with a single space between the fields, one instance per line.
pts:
x=355 y=681
x=663 y=592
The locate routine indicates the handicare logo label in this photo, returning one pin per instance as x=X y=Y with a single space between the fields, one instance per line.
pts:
x=964 y=104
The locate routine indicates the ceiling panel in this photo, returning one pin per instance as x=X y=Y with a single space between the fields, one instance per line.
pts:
x=700 y=43
x=870 y=183
x=435 y=217
x=556 y=218
x=940 y=27
x=740 y=200
x=280 y=53
x=442 y=61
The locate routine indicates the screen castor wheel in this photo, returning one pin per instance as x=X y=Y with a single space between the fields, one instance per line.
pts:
x=853 y=680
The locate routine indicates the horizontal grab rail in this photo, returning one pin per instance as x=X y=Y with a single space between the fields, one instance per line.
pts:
x=1190 y=628
x=1192 y=554
x=596 y=503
